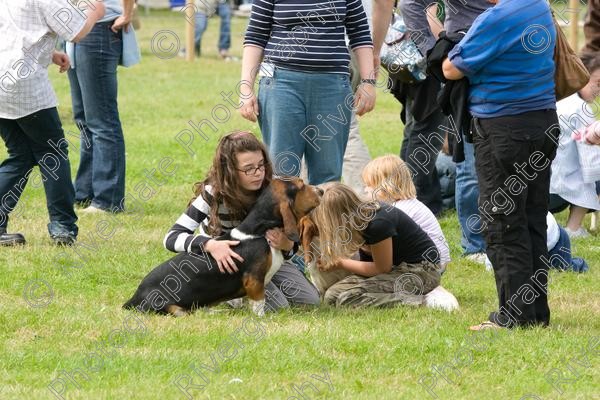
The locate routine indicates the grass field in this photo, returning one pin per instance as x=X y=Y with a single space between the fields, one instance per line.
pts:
x=60 y=309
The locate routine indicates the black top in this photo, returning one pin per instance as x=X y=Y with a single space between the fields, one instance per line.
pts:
x=410 y=243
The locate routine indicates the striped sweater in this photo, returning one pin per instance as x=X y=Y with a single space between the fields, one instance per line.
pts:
x=308 y=35
x=181 y=236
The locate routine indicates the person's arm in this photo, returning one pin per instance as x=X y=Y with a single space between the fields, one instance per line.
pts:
x=450 y=71
x=92 y=16
x=122 y=22
x=416 y=17
x=382 y=15
x=255 y=41
x=68 y=23
x=251 y=59
x=435 y=25
x=382 y=253
x=362 y=46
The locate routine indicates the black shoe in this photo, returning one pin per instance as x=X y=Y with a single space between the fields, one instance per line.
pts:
x=10 y=239
x=64 y=239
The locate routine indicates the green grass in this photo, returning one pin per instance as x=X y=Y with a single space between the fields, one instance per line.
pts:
x=367 y=354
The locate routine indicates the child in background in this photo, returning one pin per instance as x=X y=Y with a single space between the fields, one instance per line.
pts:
x=239 y=172
x=388 y=178
x=559 y=249
x=576 y=167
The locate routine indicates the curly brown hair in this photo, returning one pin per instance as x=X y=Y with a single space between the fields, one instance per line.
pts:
x=222 y=176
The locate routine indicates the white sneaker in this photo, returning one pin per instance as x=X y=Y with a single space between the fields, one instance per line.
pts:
x=442 y=299
x=479 y=258
x=92 y=210
x=579 y=233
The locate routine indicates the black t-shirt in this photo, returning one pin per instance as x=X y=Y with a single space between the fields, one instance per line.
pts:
x=410 y=243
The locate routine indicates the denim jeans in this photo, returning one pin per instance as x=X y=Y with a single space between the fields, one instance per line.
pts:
x=224 y=12
x=420 y=148
x=560 y=257
x=38 y=139
x=466 y=195
x=306 y=114
x=101 y=174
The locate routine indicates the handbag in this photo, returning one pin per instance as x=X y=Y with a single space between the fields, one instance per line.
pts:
x=570 y=74
x=400 y=56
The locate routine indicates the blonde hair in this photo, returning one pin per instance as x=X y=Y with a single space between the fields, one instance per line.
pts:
x=390 y=178
x=341 y=216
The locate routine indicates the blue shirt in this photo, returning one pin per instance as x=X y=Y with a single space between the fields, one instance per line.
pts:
x=508 y=57
x=114 y=10
x=308 y=35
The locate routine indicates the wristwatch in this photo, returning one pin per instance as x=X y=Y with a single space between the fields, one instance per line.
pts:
x=369 y=81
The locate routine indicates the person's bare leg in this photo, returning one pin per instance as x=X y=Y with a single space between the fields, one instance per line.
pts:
x=576 y=215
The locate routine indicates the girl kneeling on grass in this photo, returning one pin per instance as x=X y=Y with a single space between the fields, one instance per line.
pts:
x=387 y=178
x=399 y=263
x=239 y=172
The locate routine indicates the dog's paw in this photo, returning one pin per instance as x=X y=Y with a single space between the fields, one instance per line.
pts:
x=258 y=307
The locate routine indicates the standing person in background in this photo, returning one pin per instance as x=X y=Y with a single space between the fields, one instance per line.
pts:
x=100 y=181
x=420 y=19
x=29 y=123
x=513 y=103
x=206 y=9
x=591 y=28
x=304 y=102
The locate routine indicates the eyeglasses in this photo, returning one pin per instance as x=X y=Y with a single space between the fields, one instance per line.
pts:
x=253 y=170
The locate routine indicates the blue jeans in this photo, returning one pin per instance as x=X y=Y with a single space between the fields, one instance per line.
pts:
x=306 y=114
x=38 y=139
x=561 y=258
x=467 y=194
x=101 y=174
x=224 y=12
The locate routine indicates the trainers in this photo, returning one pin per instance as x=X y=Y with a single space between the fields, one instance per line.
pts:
x=63 y=239
x=93 y=210
x=10 y=239
x=479 y=258
x=579 y=233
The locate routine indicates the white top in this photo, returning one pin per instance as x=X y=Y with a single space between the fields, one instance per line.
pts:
x=423 y=216
x=577 y=165
x=29 y=30
x=553 y=232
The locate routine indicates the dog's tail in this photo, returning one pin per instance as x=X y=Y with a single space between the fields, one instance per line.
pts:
x=441 y=298
x=135 y=304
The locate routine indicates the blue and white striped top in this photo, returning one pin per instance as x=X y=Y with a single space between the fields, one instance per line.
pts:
x=308 y=35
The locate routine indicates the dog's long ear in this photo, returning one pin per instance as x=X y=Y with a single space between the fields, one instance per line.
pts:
x=289 y=221
x=307 y=233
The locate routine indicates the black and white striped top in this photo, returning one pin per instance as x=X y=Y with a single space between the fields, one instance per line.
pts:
x=181 y=236
x=308 y=35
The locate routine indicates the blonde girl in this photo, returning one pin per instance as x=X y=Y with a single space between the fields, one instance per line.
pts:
x=388 y=178
x=398 y=262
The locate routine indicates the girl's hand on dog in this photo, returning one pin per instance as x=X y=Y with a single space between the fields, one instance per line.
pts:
x=277 y=239
x=221 y=251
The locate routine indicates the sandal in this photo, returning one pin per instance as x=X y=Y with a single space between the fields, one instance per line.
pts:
x=485 y=325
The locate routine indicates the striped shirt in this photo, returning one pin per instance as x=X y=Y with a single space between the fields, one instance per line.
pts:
x=308 y=35
x=181 y=237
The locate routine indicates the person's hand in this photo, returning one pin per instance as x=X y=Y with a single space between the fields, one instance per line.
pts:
x=121 y=22
x=592 y=133
x=62 y=60
x=364 y=99
x=277 y=239
x=249 y=109
x=221 y=251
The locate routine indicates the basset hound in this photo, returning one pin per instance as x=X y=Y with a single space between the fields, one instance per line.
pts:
x=188 y=281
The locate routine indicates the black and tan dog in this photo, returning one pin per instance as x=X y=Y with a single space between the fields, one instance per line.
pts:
x=188 y=281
